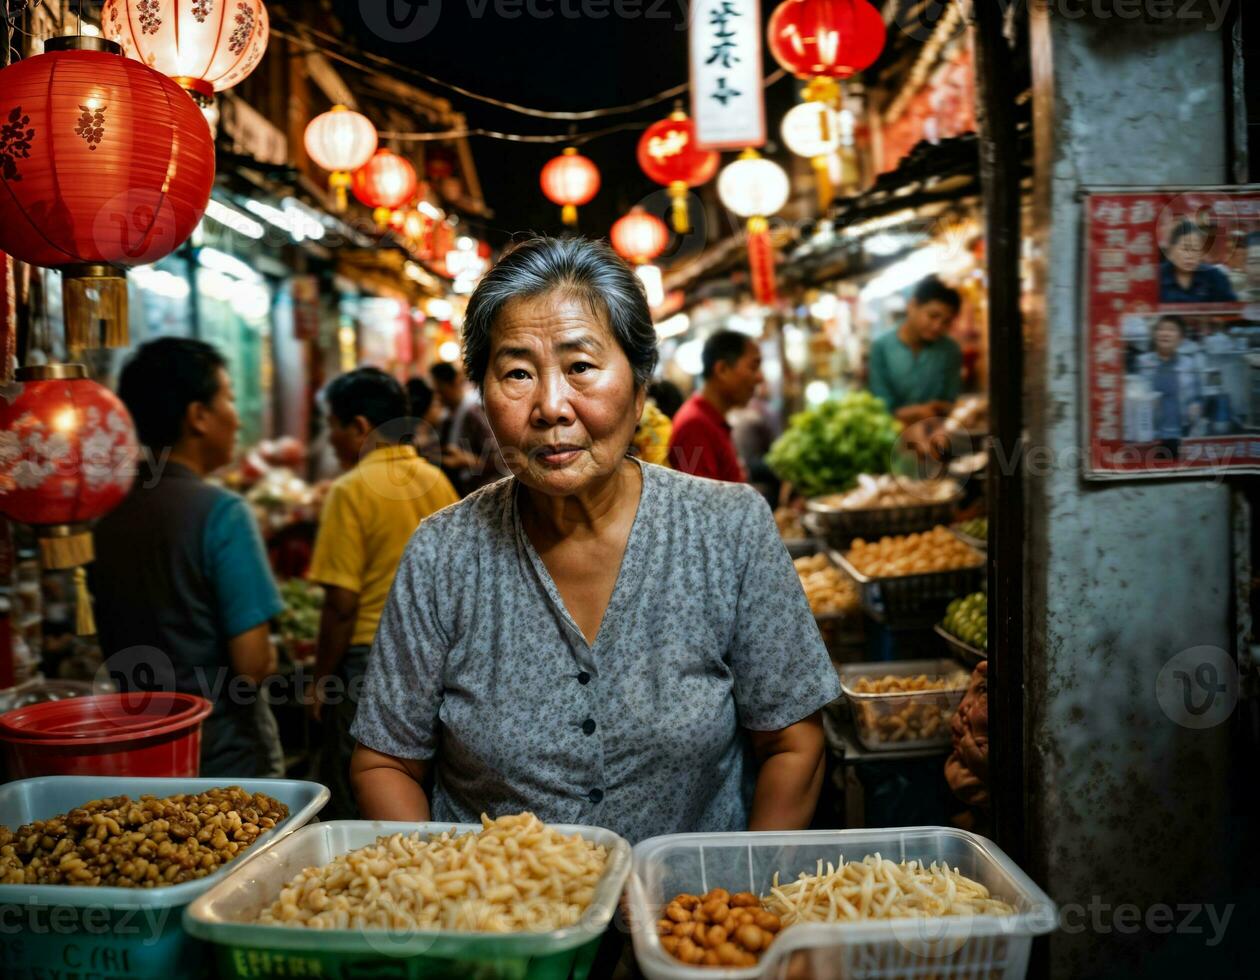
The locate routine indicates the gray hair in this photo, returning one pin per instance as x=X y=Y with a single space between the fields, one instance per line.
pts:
x=589 y=270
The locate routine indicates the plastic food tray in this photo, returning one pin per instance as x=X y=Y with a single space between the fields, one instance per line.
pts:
x=247 y=949
x=912 y=596
x=869 y=709
x=802 y=547
x=841 y=525
x=957 y=947
x=963 y=651
x=120 y=932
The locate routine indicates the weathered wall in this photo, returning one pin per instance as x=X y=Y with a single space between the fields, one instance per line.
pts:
x=1125 y=805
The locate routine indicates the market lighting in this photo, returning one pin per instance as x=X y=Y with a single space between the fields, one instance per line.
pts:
x=812 y=130
x=751 y=325
x=438 y=308
x=340 y=141
x=884 y=243
x=231 y=218
x=690 y=357
x=228 y=265
x=673 y=326
x=429 y=211
x=159 y=282
x=824 y=307
x=904 y=273
x=289 y=218
x=817 y=392
x=650 y=276
x=448 y=351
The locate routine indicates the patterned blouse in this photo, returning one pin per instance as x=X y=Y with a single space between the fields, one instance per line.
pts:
x=707 y=633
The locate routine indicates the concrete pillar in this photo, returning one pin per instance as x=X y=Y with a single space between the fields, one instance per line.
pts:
x=1125 y=807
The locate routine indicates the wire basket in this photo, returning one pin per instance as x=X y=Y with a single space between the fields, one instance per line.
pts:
x=912 y=598
x=840 y=526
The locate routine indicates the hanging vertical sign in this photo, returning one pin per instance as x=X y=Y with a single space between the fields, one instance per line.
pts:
x=727 y=101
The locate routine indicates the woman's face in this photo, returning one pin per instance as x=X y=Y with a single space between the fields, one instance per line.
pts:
x=559 y=393
x=1167 y=338
x=1187 y=252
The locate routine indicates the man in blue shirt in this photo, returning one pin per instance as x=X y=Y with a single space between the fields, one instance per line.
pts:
x=183 y=589
x=916 y=369
x=1184 y=276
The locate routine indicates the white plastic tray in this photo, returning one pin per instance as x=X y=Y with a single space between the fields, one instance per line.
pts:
x=957 y=947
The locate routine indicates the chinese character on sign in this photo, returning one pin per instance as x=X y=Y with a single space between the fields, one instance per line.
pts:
x=1116 y=238
x=1142 y=212
x=1109 y=213
x=1113 y=282
x=723 y=51
x=1142 y=243
x=723 y=93
x=1142 y=272
x=1111 y=258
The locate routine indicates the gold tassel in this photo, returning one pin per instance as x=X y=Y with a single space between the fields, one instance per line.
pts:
x=822 y=181
x=84 y=621
x=678 y=194
x=381 y=216
x=339 y=181
x=65 y=546
x=568 y=214
x=94 y=298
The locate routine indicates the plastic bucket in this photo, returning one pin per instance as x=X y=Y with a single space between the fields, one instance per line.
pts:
x=140 y=733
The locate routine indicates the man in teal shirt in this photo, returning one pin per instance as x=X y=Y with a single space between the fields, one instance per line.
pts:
x=917 y=369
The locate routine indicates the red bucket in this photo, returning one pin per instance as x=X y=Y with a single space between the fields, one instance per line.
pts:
x=138 y=733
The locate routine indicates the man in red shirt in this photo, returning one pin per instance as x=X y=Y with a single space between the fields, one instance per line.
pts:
x=701 y=441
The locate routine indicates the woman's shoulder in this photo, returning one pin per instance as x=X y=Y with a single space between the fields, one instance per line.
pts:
x=478 y=516
x=714 y=499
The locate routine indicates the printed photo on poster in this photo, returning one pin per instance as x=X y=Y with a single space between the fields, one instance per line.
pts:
x=1171 y=373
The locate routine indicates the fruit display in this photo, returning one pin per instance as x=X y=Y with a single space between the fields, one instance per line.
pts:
x=889 y=491
x=717 y=928
x=977 y=527
x=968 y=619
x=911 y=554
x=825 y=449
x=298 y=624
x=828 y=589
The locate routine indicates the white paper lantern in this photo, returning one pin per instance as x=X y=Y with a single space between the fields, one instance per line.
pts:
x=340 y=141
x=653 y=285
x=811 y=129
x=753 y=186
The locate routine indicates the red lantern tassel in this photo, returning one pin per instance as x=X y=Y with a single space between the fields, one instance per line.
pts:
x=761 y=261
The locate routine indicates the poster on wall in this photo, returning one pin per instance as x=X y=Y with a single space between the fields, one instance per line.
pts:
x=1171 y=352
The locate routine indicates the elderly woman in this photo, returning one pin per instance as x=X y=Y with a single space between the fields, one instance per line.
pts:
x=596 y=639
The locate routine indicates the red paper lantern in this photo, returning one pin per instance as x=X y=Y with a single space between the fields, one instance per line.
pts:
x=639 y=237
x=569 y=180
x=669 y=155
x=826 y=38
x=68 y=455
x=104 y=163
x=384 y=183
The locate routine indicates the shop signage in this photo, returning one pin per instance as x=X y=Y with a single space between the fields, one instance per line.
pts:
x=305 y=292
x=727 y=101
x=1171 y=352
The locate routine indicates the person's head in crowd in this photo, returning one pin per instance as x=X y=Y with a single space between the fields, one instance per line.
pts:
x=667 y=395
x=448 y=382
x=366 y=408
x=932 y=309
x=425 y=407
x=1167 y=333
x=731 y=362
x=180 y=397
x=559 y=339
x=1188 y=243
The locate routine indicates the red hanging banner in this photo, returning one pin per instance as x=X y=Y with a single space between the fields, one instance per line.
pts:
x=761 y=263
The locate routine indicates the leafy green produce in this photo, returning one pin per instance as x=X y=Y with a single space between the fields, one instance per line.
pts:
x=824 y=449
x=977 y=527
x=303 y=600
x=968 y=619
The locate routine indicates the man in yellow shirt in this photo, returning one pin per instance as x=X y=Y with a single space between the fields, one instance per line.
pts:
x=367 y=520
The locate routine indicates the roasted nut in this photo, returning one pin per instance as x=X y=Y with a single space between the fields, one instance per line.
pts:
x=767 y=921
x=730 y=955
x=714 y=937
x=750 y=937
x=670 y=944
x=688 y=902
x=677 y=913
x=711 y=958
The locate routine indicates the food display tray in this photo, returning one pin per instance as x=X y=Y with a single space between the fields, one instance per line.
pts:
x=911 y=597
x=246 y=949
x=957 y=947
x=802 y=547
x=963 y=651
x=970 y=540
x=868 y=709
x=841 y=525
x=127 y=933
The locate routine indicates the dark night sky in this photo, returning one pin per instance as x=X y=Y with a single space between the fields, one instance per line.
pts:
x=558 y=63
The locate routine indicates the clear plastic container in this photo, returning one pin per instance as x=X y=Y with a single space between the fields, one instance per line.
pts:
x=903 y=720
x=224 y=916
x=957 y=947
x=127 y=933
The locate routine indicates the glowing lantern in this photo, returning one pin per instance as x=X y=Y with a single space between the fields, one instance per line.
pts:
x=68 y=456
x=385 y=182
x=104 y=164
x=639 y=237
x=569 y=180
x=668 y=154
x=340 y=141
x=755 y=188
x=812 y=130
x=833 y=39
x=205 y=46
x=653 y=284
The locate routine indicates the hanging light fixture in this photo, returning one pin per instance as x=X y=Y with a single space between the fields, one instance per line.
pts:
x=569 y=180
x=104 y=164
x=639 y=237
x=826 y=39
x=755 y=188
x=812 y=130
x=668 y=154
x=385 y=182
x=204 y=46
x=340 y=141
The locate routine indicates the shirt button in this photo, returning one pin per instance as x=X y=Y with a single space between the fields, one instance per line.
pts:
x=584 y=678
x=588 y=726
x=595 y=795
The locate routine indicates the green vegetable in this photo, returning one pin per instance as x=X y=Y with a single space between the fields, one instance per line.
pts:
x=303 y=601
x=977 y=527
x=824 y=449
x=968 y=619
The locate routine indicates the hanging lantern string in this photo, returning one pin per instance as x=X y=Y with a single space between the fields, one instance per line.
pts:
x=333 y=52
x=565 y=138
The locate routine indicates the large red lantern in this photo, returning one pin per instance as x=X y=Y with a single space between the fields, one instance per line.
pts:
x=669 y=155
x=104 y=163
x=569 y=180
x=826 y=38
x=68 y=456
x=205 y=46
x=385 y=182
x=639 y=237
